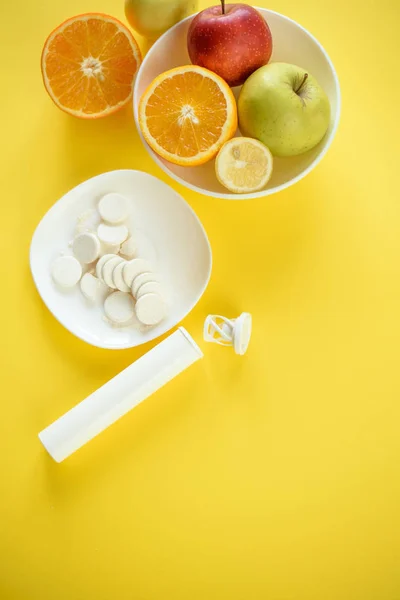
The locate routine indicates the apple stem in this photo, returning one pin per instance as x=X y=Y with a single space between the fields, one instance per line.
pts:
x=302 y=83
x=223 y=6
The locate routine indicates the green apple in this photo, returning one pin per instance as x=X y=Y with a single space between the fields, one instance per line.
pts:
x=285 y=108
x=151 y=18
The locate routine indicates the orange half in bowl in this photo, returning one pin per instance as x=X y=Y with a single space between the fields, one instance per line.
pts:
x=187 y=114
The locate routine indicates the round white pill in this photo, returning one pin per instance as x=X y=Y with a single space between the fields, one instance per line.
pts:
x=100 y=264
x=66 y=271
x=108 y=269
x=152 y=287
x=88 y=221
x=119 y=308
x=140 y=280
x=118 y=279
x=151 y=309
x=86 y=247
x=109 y=249
x=133 y=268
x=128 y=248
x=112 y=234
x=113 y=208
x=90 y=286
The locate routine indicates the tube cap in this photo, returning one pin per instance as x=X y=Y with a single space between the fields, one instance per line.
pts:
x=229 y=332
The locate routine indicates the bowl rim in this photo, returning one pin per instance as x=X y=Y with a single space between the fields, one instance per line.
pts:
x=59 y=317
x=262 y=193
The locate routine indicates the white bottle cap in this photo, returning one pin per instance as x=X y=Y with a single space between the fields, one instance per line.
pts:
x=229 y=332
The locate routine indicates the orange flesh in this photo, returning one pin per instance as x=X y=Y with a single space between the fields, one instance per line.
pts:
x=186 y=114
x=89 y=66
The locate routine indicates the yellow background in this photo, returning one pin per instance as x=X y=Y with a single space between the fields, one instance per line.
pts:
x=269 y=477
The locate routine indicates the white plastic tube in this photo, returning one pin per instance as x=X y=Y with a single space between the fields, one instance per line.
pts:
x=118 y=396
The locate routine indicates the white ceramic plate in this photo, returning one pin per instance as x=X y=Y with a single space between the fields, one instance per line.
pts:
x=292 y=43
x=169 y=234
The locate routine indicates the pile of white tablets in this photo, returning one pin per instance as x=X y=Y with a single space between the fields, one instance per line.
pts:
x=108 y=255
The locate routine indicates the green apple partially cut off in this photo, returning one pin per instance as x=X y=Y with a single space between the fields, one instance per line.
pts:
x=284 y=107
x=151 y=18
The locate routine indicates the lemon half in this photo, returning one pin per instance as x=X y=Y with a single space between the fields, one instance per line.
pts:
x=244 y=165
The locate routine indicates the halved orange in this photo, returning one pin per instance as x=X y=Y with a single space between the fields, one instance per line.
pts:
x=88 y=65
x=187 y=114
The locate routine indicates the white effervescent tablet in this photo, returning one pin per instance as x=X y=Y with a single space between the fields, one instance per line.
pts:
x=113 y=208
x=133 y=268
x=151 y=309
x=90 y=286
x=152 y=287
x=108 y=269
x=128 y=248
x=112 y=234
x=118 y=279
x=140 y=280
x=100 y=264
x=119 y=308
x=109 y=249
x=66 y=271
x=88 y=221
x=86 y=247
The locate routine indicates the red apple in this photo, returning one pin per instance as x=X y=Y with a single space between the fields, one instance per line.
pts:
x=232 y=40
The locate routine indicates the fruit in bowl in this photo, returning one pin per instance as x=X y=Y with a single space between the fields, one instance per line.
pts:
x=284 y=107
x=292 y=44
x=231 y=40
x=187 y=114
x=151 y=18
x=244 y=165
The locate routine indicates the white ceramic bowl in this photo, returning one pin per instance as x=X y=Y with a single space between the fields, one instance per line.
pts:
x=292 y=44
x=168 y=232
